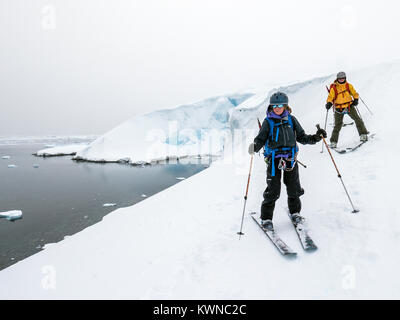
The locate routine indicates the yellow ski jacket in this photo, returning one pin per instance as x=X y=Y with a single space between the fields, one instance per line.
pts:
x=343 y=96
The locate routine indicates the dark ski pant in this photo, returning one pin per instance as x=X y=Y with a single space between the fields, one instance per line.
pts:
x=294 y=190
x=339 y=123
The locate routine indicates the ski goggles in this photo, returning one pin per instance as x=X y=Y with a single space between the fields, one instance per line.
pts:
x=278 y=105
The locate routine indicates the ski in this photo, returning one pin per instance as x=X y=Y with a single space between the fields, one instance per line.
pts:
x=305 y=239
x=340 y=151
x=344 y=124
x=351 y=149
x=282 y=247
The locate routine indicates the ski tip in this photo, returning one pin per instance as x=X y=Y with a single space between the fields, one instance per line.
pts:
x=290 y=255
x=311 y=249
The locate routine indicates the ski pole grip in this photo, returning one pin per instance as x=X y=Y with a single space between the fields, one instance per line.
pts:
x=318 y=127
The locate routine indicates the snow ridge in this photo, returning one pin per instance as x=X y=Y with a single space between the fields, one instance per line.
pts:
x=180 y=132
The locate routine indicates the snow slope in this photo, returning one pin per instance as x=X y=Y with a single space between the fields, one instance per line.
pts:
x=182 y=243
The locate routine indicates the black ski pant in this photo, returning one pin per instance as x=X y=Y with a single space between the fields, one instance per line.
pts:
x=294 y=190
x=339 y=123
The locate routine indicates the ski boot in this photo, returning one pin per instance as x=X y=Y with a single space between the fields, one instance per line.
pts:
x=267 y=224
x=296 y=218
x=333 y=145
x=363 y=137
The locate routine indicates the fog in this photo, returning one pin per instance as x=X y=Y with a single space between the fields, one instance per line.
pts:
x=84 y=66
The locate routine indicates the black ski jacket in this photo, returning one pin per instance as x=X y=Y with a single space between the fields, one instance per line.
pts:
x=300 y=135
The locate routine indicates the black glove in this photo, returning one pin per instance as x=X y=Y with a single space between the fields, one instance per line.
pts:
x=355 y=103
x=316 y=138
x=321 y=132
x=328 y=105
x=251 y=148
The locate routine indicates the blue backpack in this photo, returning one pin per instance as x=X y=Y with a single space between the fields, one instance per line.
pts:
x=276 y=151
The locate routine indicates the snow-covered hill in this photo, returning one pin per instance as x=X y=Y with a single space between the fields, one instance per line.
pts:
x=180 y=132
x=182 y=243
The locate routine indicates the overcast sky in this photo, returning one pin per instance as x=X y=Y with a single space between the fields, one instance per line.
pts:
x=84 y=66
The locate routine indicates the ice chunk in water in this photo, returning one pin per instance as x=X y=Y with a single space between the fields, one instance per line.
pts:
x=109 y=205
x=5 y=157
x=12 y=166
x=11 y=215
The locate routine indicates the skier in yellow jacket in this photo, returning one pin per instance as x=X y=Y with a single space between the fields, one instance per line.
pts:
x=344 y=98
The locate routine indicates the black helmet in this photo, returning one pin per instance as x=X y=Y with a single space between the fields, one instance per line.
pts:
x=279 y=98
x=341 y=75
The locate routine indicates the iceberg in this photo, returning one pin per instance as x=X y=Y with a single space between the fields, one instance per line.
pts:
x=11 y=215
x=186 y=131
x=65 y=150
x=109 y=205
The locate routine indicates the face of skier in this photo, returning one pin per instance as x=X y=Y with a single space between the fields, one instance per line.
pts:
x=341 y=80
x=278 y=109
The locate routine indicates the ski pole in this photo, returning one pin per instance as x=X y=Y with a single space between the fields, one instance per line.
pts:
x=337 y=170
x=259 y=123
x=326 y=121
x=301 y=164
x=259 y=127
x=366 y=106
x=240 y=233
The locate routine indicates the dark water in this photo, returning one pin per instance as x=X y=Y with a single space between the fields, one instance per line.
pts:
x=62 y=196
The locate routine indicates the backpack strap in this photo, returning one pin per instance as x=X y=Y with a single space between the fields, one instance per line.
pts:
x=348 y=89
x=270 y=137
x=271 y=126
x=333 y=85
x=273 y=163
x=295 y=147
x=290 y=121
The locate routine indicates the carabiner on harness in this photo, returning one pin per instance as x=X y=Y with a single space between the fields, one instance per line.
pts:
x=345 y=111
x=282 y=164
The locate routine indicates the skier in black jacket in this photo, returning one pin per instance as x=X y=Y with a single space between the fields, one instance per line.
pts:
x=278 y=134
